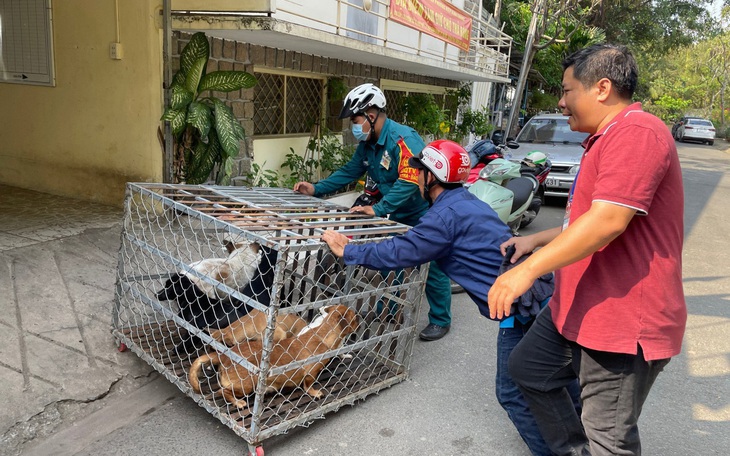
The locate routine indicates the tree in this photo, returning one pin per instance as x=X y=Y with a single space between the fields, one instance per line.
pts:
x=551 y=22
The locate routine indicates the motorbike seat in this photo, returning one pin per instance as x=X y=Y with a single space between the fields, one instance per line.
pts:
x=522 y=188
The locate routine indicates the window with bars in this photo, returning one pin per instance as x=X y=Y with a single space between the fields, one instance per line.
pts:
x=285 y=104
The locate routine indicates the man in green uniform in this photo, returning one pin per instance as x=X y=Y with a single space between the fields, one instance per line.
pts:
x=384 y=149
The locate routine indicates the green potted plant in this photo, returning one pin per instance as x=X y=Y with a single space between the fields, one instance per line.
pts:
x=205 y=131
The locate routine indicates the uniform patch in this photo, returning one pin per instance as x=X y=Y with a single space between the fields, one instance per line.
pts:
x=405 y=172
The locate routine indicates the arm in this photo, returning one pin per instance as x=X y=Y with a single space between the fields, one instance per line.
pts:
x=595 y=229
x=430 y=240
x=348 y=173
x=398 y=196
x=527 y=244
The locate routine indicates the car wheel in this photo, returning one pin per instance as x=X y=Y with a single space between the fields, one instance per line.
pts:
x=711 y=142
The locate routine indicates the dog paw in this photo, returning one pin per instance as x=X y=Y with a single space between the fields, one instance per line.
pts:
x=315 y=393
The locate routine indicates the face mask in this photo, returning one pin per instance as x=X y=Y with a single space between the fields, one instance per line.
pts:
x=358 y=133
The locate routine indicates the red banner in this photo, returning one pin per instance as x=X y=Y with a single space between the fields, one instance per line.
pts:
x=437 y=18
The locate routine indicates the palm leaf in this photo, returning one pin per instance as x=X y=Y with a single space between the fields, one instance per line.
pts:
x=228 y=129
x=193 y=76
x=198 y=48
x=227 y=81
x=180 y=97
x=200 y=117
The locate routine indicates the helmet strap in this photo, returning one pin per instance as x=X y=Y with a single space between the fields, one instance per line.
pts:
x=428 y=186
x=373 y=135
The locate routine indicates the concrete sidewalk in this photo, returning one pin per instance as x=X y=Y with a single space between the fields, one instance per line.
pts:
x=58 y=260
x=68 y=391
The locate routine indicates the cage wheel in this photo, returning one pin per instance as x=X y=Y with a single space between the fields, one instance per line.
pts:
x=259 y=451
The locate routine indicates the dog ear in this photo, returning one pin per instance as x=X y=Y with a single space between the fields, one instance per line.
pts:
x=255 y=247
x=230 y=246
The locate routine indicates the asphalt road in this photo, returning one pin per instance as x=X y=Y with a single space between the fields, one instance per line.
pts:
x=447 y=407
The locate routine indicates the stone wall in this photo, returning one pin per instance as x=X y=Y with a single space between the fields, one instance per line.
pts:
x=230 y=55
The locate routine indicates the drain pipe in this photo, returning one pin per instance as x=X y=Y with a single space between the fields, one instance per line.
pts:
x=167 y=174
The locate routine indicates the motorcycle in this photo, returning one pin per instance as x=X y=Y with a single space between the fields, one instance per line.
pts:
x=514 y=189
x=535 y=166
x=370 y=195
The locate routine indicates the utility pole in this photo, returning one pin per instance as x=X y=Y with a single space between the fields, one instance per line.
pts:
x=526 y=64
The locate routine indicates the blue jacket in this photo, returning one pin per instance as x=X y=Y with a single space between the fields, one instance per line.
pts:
x=385 y=161
x=460 y=232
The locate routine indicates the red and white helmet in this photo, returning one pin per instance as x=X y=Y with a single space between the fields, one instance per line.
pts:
x=447 y=160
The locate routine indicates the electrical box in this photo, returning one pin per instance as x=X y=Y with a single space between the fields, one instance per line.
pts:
x=115 y=51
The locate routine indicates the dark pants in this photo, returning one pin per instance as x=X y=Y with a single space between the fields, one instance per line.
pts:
x=438 y=295
x=614 y=387
x=510 y=397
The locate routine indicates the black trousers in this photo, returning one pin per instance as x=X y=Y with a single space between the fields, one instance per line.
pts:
x=614 y=387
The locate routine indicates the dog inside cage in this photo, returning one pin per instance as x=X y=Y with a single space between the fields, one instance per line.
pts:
x=205 y=295
x=243 y=307
x=327 y=332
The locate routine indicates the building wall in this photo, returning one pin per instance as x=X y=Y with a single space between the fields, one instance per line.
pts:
x=97 y=128
x=269 y=152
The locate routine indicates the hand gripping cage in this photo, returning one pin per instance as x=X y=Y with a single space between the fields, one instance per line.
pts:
x=271 y=331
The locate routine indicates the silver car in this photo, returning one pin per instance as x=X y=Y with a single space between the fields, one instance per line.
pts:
x=696 y=129
x=551 y=134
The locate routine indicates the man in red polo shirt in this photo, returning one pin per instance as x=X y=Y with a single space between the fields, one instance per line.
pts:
x=618 y=313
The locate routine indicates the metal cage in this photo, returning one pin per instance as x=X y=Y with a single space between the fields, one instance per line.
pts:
x=180 y=295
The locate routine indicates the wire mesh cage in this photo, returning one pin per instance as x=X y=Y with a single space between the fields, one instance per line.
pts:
x=230 y=294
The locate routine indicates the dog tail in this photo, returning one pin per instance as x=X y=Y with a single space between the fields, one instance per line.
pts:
x=214 y=360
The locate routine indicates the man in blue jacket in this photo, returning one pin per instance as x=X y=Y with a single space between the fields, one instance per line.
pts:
x=383 y=152
x=461 y=234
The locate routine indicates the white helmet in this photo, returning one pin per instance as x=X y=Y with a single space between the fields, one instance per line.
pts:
x=536 y=158
x=360 y=99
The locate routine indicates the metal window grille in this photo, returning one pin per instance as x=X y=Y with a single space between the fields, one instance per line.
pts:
x=171 y=231
x=394 y=104
x=285 y=104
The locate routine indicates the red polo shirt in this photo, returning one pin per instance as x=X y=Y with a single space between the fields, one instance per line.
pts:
x=629 y=292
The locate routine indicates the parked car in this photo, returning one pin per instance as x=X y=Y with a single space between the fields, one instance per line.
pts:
x=551 y=134
x=679 y=122
x=696 y=129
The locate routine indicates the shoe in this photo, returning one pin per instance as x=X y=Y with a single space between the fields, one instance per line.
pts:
x=434 y=332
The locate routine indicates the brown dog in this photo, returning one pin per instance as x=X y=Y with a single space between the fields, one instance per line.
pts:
x=327 y=332
x=252 y=325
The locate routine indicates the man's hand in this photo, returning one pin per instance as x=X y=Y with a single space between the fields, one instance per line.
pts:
x=336 y=241
x=523 y=246
x=367 y=210
x=508 y=287
x=304 y=188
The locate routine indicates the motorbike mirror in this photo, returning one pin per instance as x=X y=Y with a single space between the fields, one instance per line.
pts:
x=512 y=144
